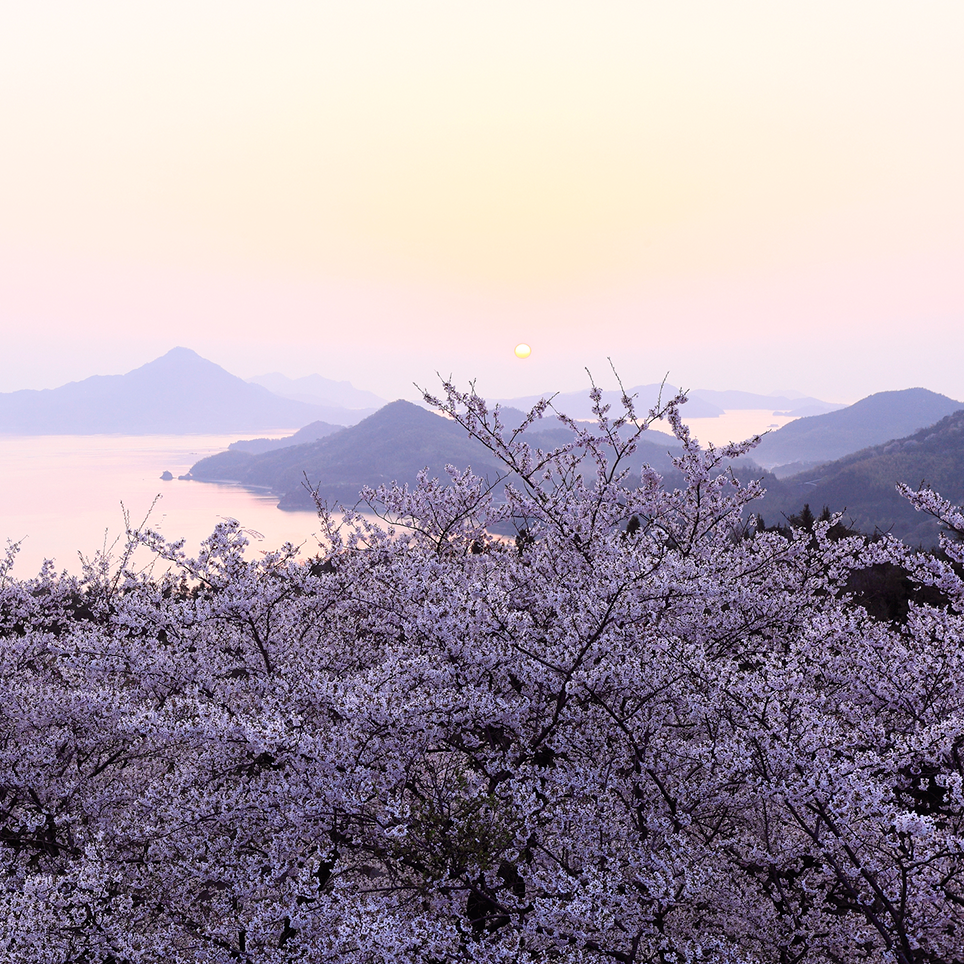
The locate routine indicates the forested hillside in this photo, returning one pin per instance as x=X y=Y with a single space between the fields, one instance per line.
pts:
x=394 y=444
x=871 y=421
x=864 y=485
x=304 y=436
x=641 y=731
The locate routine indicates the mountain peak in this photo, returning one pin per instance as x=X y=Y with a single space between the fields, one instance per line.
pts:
x=179 y=351
x=180 y=392
x=180 y=357
x=871 y=421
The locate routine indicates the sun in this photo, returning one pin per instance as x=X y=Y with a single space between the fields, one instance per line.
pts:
x=522 y=351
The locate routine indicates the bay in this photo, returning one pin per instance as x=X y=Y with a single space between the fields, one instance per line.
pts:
x=64 y=495
x=735 y=425
x=61 y=495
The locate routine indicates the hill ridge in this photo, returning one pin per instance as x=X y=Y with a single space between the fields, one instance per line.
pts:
x=870 y=421
x=862 y=484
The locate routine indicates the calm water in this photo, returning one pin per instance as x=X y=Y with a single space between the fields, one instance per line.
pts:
x=62 y=495
x=734 y=426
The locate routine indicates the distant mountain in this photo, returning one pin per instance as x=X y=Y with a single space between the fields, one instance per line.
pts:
x=353 y=404
x=862 y=485
x=578 y=404
x=793 y=404
x=871 y=421
x=178 y=393
x=701 y=402
x=394 y=444
x=310 y=433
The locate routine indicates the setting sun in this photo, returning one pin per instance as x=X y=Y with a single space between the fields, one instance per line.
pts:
x=522 y=351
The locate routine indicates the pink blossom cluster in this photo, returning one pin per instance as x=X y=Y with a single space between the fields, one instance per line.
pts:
x=643 y=730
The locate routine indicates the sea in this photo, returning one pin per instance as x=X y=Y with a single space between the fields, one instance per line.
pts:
x=64 y=497
x=67 y=497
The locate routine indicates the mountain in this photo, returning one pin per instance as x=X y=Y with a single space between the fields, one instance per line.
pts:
x=862 y=485
x=178 y=393
x=353 y=404
x=310 y=433
x=394 y=444
x=871 y=421
x=578 y=404
x=793 y=404
x=701 y=402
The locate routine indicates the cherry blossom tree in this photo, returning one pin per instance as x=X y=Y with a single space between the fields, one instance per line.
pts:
x=642 y=730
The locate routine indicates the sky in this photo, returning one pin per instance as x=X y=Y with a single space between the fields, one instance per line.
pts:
x=754 y=195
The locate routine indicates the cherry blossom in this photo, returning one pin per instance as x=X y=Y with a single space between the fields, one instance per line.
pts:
x=567 y=714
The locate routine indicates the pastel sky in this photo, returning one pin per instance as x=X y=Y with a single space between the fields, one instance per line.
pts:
x=759 y=195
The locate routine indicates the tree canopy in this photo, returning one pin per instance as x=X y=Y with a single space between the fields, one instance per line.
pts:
x=643 y=731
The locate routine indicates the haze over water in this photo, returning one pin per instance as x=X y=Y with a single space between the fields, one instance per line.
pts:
x=59 y=494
